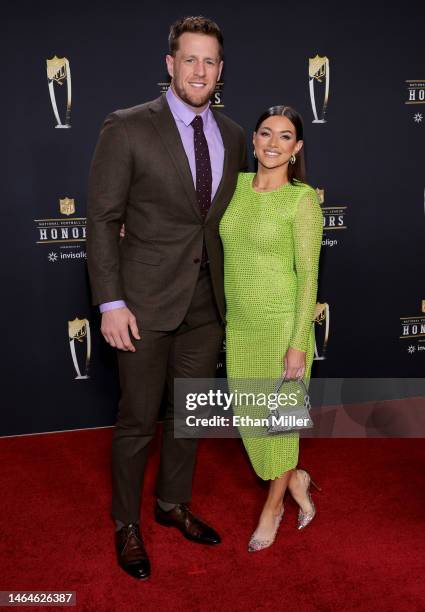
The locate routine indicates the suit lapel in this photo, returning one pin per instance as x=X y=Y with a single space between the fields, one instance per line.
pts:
x=165 y=124
x=163 y=120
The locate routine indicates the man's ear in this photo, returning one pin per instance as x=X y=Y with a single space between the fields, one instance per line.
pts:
x=169 y=60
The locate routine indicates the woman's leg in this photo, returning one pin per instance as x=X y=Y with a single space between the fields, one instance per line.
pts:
x=297 y=486
x=273 y=506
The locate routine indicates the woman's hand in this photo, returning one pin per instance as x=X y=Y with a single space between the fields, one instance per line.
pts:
x=294 y=363
x=122 y=231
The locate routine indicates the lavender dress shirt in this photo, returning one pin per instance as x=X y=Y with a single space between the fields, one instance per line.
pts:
x=183 y=116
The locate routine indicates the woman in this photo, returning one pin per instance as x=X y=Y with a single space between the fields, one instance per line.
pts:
x=272 y=234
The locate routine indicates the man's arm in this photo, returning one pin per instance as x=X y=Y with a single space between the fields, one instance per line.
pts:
x=109 y=183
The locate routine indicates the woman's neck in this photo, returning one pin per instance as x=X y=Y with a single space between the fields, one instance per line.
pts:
x=269 y=179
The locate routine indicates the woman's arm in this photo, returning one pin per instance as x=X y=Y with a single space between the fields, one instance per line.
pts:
x=307 y=235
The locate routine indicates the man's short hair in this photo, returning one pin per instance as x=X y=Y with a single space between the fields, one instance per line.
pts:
x=198 y=25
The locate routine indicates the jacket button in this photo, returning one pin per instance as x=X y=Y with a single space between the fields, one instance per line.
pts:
x=196 y=260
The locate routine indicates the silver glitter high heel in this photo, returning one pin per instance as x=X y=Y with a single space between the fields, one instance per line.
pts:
x=256 y=544
x=305 y=518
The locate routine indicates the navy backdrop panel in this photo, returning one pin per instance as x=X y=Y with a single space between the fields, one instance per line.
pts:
x=367 y=158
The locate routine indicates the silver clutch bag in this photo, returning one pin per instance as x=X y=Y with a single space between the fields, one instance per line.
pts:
x=296 y=415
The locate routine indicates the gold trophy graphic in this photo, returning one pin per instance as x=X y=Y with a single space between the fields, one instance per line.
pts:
x=321 y=318
x=318 y=71
x=79 y=331
x=320 y=195
x=58 y=71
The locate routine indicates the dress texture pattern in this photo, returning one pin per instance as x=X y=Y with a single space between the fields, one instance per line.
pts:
x=271 y=246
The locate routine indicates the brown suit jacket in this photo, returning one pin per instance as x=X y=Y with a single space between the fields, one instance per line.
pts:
x=140 y=175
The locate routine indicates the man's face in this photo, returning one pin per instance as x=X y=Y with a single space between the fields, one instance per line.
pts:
x=195 y=69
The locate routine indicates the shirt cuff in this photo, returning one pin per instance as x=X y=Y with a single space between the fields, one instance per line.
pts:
x=112 y=305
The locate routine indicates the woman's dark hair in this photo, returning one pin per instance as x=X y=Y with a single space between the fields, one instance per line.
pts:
x=198 y=25
x=295 y=171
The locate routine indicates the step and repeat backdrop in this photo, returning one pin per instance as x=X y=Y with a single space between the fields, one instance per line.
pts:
x=357 y=75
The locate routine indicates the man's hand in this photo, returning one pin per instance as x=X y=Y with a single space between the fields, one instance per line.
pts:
x=114 y=328
x=294 y=363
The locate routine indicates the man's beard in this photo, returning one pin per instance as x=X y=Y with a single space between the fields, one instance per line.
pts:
x=197 y=102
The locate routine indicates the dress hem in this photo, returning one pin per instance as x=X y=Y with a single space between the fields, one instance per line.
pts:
x=278 y=474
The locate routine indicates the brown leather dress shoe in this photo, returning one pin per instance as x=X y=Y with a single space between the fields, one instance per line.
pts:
x=191 y=527
x=131 y=553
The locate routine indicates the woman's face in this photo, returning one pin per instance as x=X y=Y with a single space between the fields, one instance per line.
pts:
x=275 y=141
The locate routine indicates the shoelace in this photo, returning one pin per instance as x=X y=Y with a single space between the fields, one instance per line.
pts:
x=132 y=530
x=188 y=517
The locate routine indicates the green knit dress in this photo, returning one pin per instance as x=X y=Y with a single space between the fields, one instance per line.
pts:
x=271 y=246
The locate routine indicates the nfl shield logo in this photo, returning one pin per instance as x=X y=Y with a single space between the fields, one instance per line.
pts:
x=67 y=206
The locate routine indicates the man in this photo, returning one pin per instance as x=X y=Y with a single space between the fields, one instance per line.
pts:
x=167 y=169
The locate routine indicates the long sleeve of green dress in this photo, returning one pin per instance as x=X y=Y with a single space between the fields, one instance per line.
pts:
x=307 y=232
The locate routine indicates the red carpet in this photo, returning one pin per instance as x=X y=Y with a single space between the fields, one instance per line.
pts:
x=364 y=551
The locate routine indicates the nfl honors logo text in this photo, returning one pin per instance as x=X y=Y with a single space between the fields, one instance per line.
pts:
x=67 y=234
x=413 y=332
x=333 y=219
x=415 y=96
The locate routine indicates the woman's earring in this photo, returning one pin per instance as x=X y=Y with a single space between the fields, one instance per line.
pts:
x=292 y=159
x=255 y=155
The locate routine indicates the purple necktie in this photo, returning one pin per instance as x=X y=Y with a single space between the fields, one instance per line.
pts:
x=203 y=166
x=203 y=174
